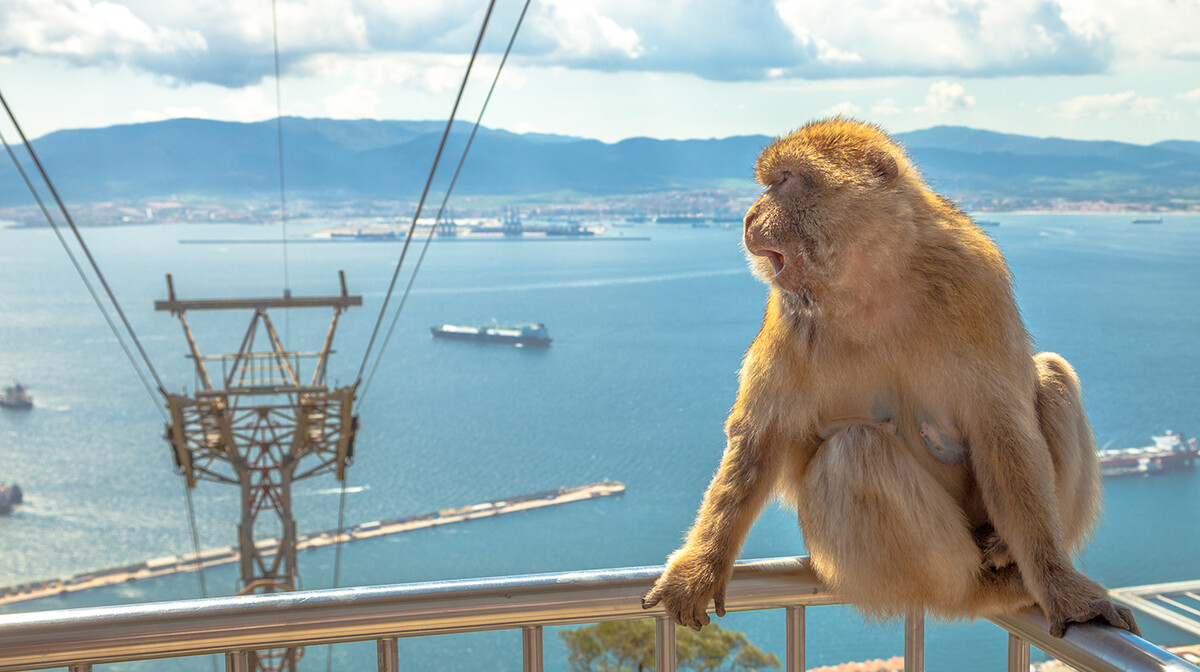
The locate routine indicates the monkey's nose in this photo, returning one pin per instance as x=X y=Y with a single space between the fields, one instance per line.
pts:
x=776 y=261
x=748 y=219
x=776 y=258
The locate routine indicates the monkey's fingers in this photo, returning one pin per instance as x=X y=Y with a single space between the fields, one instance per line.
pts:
x=652 y=598
x=1130 y=622
x=1107 y=611
x=719 y=602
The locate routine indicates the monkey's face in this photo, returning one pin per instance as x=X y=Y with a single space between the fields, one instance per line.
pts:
x=782 y=234
x=831 y=213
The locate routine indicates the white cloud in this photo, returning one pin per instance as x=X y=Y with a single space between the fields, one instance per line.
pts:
x=247 y=104
x=431 y=73
x=1108 y=105
x=842 y=109
x=1140 y=28
x=1192 y=96
x=168 y=112
x=583 y=32
x=84 y=33
x=229 y=42
x=931 y=37
x=143 y=116
x=886 y=108
x=353 y=102
x=945 y=97
x=827 y=53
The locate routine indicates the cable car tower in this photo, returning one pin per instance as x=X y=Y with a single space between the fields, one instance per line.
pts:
x=260 y=427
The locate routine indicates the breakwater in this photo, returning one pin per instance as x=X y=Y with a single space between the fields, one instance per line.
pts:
x=377 y=528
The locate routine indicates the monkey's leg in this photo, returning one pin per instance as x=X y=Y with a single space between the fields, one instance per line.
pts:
x=1072 y=449
x=1016 y=475
x=697 y=573
x=880 y=529
x=1068 y=435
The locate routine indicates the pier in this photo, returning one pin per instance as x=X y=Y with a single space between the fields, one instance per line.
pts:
x=378 y=528
x=454 y=239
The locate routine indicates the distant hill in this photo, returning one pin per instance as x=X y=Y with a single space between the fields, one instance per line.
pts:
x=328 y=159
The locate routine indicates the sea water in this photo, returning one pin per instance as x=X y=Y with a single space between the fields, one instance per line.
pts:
x=648 y=338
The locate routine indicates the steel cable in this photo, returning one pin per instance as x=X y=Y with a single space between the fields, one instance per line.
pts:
x=83 y=245
x=191 y=511
x=86 y=283
x=424 y=193
x=404 y=299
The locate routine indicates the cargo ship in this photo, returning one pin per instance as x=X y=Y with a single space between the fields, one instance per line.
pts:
x=1169 y=452
x=364 y=235
x=15 y=397
x=10 y=496
x=520 y=335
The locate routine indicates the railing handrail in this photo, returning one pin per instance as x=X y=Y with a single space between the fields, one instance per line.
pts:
x=47 y=639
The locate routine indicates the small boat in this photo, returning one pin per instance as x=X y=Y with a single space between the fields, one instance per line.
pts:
x=520 y=335
x=1148 y=220
x=16 y=398
x=1169 y=452
x=10 y=496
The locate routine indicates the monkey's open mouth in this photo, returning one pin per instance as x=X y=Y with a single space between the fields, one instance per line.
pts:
x=776 y=260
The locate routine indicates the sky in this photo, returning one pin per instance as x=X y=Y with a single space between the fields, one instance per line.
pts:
x=1125 y=70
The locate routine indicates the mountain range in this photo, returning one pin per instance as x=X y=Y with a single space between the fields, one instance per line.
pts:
x=337 y=160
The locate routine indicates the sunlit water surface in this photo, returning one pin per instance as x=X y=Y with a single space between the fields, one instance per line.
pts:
x=648 y=340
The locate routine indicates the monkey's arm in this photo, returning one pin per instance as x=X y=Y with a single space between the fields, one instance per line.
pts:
x=1015 y=472
x=698 y=572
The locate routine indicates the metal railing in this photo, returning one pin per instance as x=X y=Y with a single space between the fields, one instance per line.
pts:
x=233 y=626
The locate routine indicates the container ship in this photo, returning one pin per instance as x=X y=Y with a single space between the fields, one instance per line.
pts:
x=520 y=335
x=1169 y=452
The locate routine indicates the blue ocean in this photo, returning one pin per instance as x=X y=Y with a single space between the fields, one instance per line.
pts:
x=648 y=340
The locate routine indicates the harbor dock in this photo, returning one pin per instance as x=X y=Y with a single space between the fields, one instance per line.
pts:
x=227 y=555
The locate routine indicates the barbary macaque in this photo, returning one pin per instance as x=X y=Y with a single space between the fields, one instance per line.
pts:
x=893 y=398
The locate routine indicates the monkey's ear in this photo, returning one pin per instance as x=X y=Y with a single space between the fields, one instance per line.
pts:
x=884 y=166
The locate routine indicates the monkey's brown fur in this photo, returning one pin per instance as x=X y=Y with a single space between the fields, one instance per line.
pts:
x=893 y=397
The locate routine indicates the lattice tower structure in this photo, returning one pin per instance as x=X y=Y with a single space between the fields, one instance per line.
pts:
x=262 y=427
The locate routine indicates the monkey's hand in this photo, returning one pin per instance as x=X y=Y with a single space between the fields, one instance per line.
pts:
x=686 y=587
x=1081 y=600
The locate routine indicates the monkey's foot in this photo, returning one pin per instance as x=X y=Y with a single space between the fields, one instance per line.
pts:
x=996 y=554
x=1086 y=602
x=1096 y=611
x=686 y=588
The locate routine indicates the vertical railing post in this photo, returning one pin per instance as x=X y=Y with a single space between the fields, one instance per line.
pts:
x=664 y=644
x=795 y=639
x=1018 y=654
x=531 y=648
x=237 y=661
x=388 y=654
x=914 y=642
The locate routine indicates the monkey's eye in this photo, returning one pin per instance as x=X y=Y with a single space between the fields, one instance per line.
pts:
x=782 y=177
